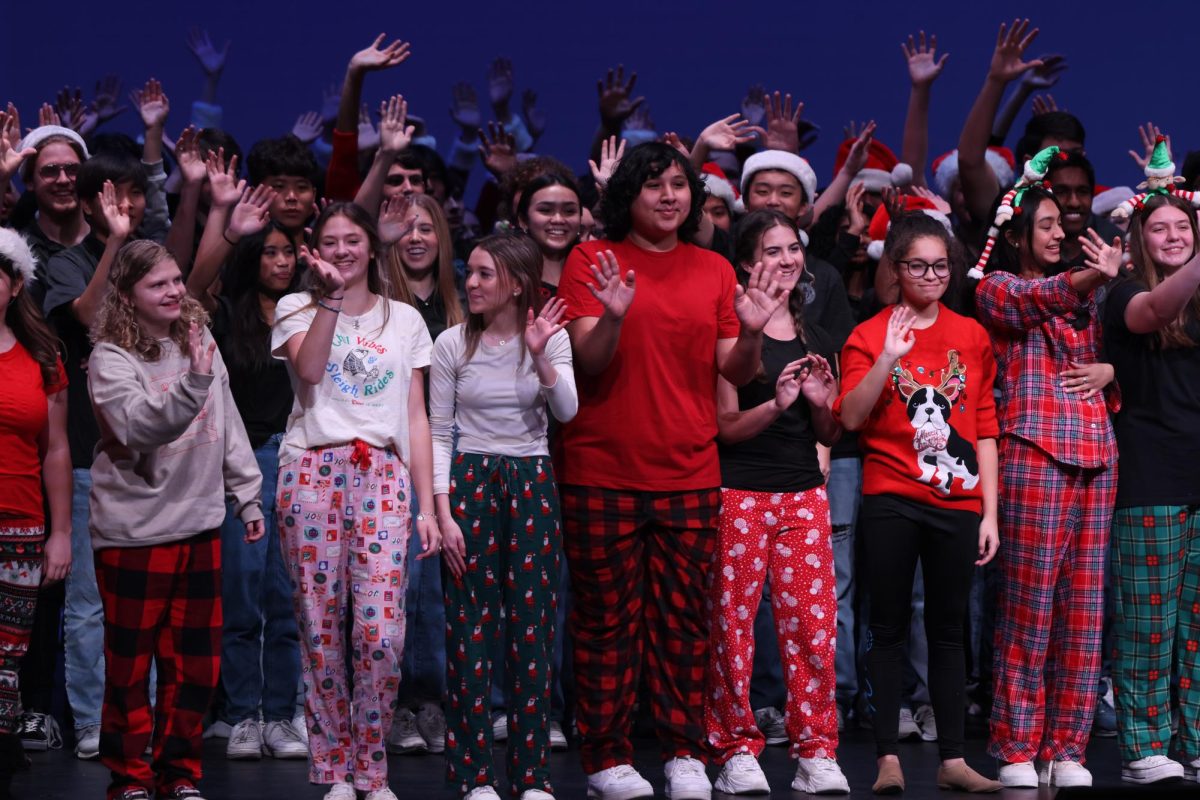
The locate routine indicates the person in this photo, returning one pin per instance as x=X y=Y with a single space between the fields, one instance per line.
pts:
x=639 y=492
x=1058 y=478
x=502 y=567
x=548 y=209
x=33 y=443
x=1073 y=181
x=928 y=438
x=260 y=647
x=775 y=519
x=171 y=446
x=422 y=261
x=356 y=449
x=1151 y=333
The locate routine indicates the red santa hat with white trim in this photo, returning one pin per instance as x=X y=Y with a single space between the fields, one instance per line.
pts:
x=882 y=169
x=719 y=185
x=881 y=222
x=1000 y=159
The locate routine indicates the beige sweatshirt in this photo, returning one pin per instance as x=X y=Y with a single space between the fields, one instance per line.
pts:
x=172 y=448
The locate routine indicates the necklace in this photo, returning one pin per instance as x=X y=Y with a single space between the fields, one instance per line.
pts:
x=498 y=342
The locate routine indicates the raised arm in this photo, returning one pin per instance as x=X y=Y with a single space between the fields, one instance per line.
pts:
x=738 y=359
x=616 y=105
x=552 y=361
x=1156 y=309
x=595 y=339
x=371 y=58
x=395 y=135
x=308 y=352
x=1040 y=78
x=858 y=403
x=856 y=159
x=924 y=67
x=181 y=238
x=225 y=191
x=116 y=217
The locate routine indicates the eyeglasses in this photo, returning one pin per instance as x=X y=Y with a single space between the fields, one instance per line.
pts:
x=49 y=172
x=919 y=269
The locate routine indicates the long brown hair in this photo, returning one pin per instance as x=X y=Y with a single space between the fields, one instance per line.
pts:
x=117 y=321
x=443 y=267
x=1144 y=269
x=747 y=237
x=518 y=266
x=28 y=326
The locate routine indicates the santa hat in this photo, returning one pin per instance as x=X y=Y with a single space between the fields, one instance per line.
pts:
x=718 y=185
x=38 y=135
x=1010 y=205
x=1160 y=179
x=785 y=162
x=14 y=248
x=1108 y=198
x=882 y=168
x=881 y=222
x=945 y=168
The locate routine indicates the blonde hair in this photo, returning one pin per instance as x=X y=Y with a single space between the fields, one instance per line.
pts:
x=117 y=322
x=443 y=268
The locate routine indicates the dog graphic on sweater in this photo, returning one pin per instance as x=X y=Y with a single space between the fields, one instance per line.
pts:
x=942 y=455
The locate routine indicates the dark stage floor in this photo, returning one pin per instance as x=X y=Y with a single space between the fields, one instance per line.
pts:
x=57 y=775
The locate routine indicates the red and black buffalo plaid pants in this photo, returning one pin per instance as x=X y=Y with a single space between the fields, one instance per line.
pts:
x=639 y=566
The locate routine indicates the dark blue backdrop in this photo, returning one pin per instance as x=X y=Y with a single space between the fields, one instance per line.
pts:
x=694 y=61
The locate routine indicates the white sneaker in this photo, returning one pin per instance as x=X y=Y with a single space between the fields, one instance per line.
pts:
x=621 y=782
x=499 y=727
x=926 y=724
x=341 y=791
x=1019 y=775
x=742 y=775
x=301 y=726
x=1064 y=774
x=558 y=739
x=908 y=726
x=772 y=725
x=1151 y=770
x=431 y=724
x=820 y=776
x=87 y=743
x=404 y=738
x=686 y=779
x=536 y=794
x=218 y=730
x=482 y=793
x=1191 y=770
x=245 y=741
x=282 y=740
x=381 y=794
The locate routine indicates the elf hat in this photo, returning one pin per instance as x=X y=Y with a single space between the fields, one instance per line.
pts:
x=945 y=168
x=14 y=248
x=1108 y=198
x=881 y=222
x=1034 y=173
x=785 y=162
x=1160 y=179
x=882 y=167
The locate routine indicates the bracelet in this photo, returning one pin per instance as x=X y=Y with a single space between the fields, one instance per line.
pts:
x=337 y=310
x=225 y=236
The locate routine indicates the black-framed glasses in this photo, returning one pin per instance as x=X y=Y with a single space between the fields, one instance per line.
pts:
x=49 y=172
x=919 y=269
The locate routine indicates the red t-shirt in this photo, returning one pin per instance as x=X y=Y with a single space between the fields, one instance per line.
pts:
x=649 y=421
x=920 y=440
x=23 y=414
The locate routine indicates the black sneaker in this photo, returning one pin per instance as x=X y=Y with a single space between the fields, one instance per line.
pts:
x=181 y=791
x=38 y=732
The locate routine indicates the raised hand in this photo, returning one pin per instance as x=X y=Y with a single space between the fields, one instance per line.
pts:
x=327 y=274
x=331 y=98
x=728 y=133
x=856 y=159
x=187 y=154
x=854 y=209
x=368 y=134
x=1011 y=44
x=535 y=118
x=200 y=357
x=223 y=183
x=1099 y=255
x=611 y=153
x=1087 y=380
x=539 y=329
x=817 y=383
x=395 y=134
x=375 y=56
x=115 y=215
x=899 y=339
x=754 y=105
x=212 y=61
x=672 y=138
x=396 y=219
x=923 y=64
x=152 y=104
x=251 y=213
x=71 y=108
x=614 y=93
x=500 y=86
x=48 y=116
x=1149 y=134
x=108 y=89
x=1043 y=104
x=464 y=110
x=10 y=137
x=499 y=152
x=613 y=290
x=783 y=124
x=1046 y=74
x=757 y=301
x=938 y=201
x=309 y=127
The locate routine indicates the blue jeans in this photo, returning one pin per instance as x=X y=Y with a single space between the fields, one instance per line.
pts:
x=260 y=623
x=423 y=665
x=83 y=617
x=845 y=491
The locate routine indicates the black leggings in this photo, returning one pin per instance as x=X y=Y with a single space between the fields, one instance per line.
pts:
x=895 y=533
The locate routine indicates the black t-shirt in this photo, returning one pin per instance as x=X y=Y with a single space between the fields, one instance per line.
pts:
x=783 y=458
x=1158 y=427
x=67 y=276
x=262 y=392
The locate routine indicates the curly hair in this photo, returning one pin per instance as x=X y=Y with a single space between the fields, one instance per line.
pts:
x=646 y=161
x=117 y=321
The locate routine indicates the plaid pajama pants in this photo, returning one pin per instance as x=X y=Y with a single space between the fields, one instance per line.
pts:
x=20 y=576
x=161 y=602
x=1155 y=562
x=1054 y=527
x=639 y=566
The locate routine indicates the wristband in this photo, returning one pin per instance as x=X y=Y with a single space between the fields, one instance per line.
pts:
x=230 y=242
x=337 y=310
